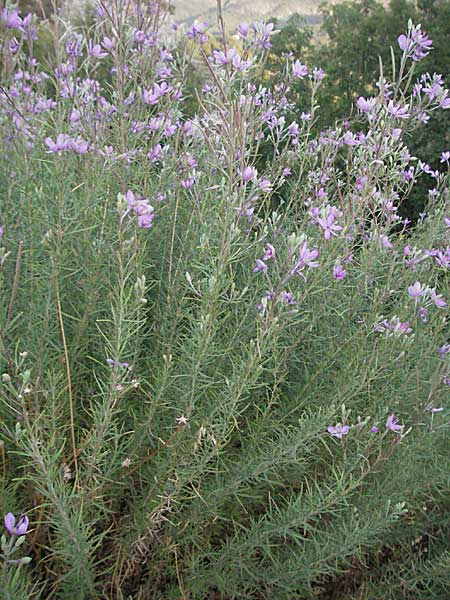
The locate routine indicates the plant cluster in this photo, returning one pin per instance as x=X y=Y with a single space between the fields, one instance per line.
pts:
x=352 y=37
x=217 y=379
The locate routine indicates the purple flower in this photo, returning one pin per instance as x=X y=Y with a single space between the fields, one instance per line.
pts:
x=197 y=31
x=398 y=111
x=20 y=529
x=446 y=380
x=417 y=44
x=260 y=266
x=243 y=29
x=416 y=290
x=63 y=142
x=445 y=102
x=339 y=272
x=438 y=301
x=224 y=58
x=392 y=424
x=338 y=430
x=433 y=90
x=145 y=220
x=151 y=97
x=374 y=429
x=139 y=36
x=443 y=258
x=299 y=70
x=269 y=252
x=95 y=50
x=443 y=350
x=190 y=161
x=248 y=174
x=188 y=183
x=265 y=185
x=349 y=139
x=394 y=326
x=318 y=74
x=155 y=153
x=73 y=46
x=11 y=19
x=142 y=208
x=422 y=42
x=403 y=327
x=79 y=146
x=241 y=65
x=108 y=44
x=306 y=258
x=423 y=314
x=116 y=363
x=263 y=32
x=13 y=45
x=287 y=298
x=445 y=157
x=367 y=106
x=327 y=221
x=403 y=42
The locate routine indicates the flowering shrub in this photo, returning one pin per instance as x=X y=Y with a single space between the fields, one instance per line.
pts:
x=208 y=389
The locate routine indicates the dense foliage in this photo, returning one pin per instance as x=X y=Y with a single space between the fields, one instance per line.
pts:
x=217 y=380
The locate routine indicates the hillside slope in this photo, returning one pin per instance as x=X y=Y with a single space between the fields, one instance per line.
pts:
x=237 y=11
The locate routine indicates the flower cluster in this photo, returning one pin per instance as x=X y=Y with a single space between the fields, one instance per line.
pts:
x=339 y=430
x=64 y=143
x=142 y=208
x=416 y=43
x=198 y=32
x=425 y=296
x=302 y=257
x=231 y=57
x=393 y=326
x=113 y=362
x=258 y=35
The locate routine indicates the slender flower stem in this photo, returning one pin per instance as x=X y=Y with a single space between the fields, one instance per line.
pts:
x=69 y=379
